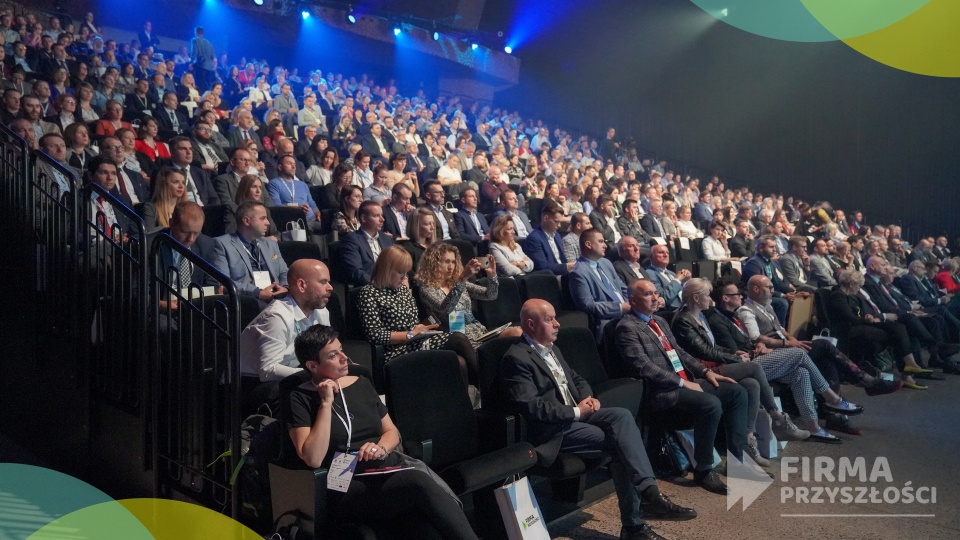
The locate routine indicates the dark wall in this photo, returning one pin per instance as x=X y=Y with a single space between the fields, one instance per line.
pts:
x=816 y=120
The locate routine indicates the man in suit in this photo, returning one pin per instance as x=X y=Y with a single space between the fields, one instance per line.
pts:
x=679 y=382
x=172 y=122
x=792 y=265
x=147 y=37
x=226 y=184
x=762 y=264
x=55 y=147
x=397 y=212
x=703 y=211
x=202 y=55
x=243 y=131
x=628 y=267
x=544 y=245
x=667 y=283
x=941 y=250
x=741 y=245
x=594 y=285
x=480 y=139
x=470 y=223
x=651 y=223
x=564 y=417
x=821 y=273
x=199 y=186
x=130 y=184
x=359 y=250
x=206 y=153
x=434 y=195
x=602 y=218
x=511 y=207
x=284 y=147
x=254 y=264
x=374 y=144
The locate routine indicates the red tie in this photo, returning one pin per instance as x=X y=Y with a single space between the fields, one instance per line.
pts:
x=106 y=223
x=666 y=345
x=739 y=324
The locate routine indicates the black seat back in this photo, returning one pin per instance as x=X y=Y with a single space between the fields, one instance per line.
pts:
x=505 y=309
x=580 y=351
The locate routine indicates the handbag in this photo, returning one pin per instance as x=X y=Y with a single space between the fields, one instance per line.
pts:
x=825 y=334
x=520 y=511
x=296 y=232
x=668 y=458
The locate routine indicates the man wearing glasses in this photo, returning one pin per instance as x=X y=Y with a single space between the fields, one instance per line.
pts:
x=206 y=154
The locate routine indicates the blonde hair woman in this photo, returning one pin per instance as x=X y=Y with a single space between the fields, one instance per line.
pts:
x=171 y=189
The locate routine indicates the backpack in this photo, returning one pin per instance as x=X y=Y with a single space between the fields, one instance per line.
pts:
x=260 y=443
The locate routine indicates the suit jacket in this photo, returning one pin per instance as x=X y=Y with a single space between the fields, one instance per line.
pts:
x=626 y=273
x=643 y=356
x=369 y=143
x=204 y=246
x=198 y=158
x=231 y=257
x=527 y=386
x=649 y=227
x=390 y=223
x=166 y=125
x=795 y=274
x=140 y=187
x=693 y=337
x=330 y=198
x=915 y=290
x=540 y=252
x=234 y=137
x=599 y=221
x=448 y=217
x=466 y=228
x=592 y=297
x=357 y=259
x=756 y=265
x=879 y=296
x=940 y=253
x=148 y=40
x=846 y=312
x=726 y=333
x=821 y=273
x=702 y=212
x=201 y=178
x=482 y=142
x=741 y=247
x=667 y=287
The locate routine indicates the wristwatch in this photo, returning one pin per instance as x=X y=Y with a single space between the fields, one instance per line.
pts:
x=409 y=335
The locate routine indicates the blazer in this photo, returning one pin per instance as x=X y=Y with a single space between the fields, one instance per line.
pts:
x=231 y=257
x=226 y=186
x=356 y=257
x=202 y=246
x=198 y=159
x=821 y=274
x=741 y=247
x=235 y=138
x=539 y=251
x=845 y=313
x=448 y=217
x=695 y=340
x=915 y=290
x=794 y=273
x=390 y=223
x=643 y=356
x=369 y=143
x=599 y=221
x=668 y=288
x=726 y=333
x=649 y=227
x=201 y=179
x=166 y=125
x=528 y=388
x=626 y=273
x=592 y=297
x=756 y=265
x=878 y=297
x=466 y=228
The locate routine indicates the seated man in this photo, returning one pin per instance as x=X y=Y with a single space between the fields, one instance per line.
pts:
x=470 y=223
x=564 y=417
x=668 y=283
x=359 y=250
x=511 y=207
x=762 y=264
x=544 y=245
x=266 y=344
x=594 y=285
x=628 y=267
x=288 y=190
x=792 y=265
x=579 y=222
x=254 y=264
x=648 y=350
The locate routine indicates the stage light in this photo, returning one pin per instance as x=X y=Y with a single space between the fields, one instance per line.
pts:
x=396 y=30
x=436 y=36
x=508 y=49
x=473 y=46
x=724 y=12
x=352 y=19
x=305 y=14
x=258 y=2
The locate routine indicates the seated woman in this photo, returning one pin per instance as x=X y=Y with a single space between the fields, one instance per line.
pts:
x=508 y=254
x=944 y=278
x=685 y=227
x=147 y=143
x=171 y=189
x=132 y=159
x=364 y=428
x=445 y=288
x=858 y=326
x=77 y=137
x=321 y=174
x=388 y=313
x=346 y=221
x=715 y=246
x=422 y=233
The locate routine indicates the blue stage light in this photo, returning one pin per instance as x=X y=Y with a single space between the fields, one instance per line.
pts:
x=436 y=36
x=396 y=30
x=352 y=19
x=474 y=46
x=508 y=49
x=305 y=14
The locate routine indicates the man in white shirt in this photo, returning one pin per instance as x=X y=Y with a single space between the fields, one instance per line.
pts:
x=266 y=344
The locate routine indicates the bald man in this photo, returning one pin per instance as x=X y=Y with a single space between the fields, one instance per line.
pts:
x=186 y=225
x=565 y=417
x=266 y=344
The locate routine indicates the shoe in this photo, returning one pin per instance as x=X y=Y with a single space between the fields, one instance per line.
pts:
x=881 y=387
x=754 y=452
x=710 y=481
x=951 y=368
x=929 y=376
x=841 y=423
x=643 y=532
x=825 y=436
x=785 y=430
x=844 y=407
x=913 y=386
x=662 y=508
x=916 y=369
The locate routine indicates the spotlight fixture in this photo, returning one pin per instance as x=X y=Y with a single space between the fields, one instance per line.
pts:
x=436 y=36
x=473 y=46
x=305 y=14
x=258 y=2
x=396 y=30
x=351 y=18
x=724 y=12
x=508 y=49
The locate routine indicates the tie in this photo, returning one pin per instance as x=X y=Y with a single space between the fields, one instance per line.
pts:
x=876 y=310
x=666 y=345
x=255 y=256
x=212 y=158
x=886 y=293
x=108 y=229
x=607 y=285
x=244 y=134
x=123 y=185
x=739 y=324
x=173 y=121
x=186 y=271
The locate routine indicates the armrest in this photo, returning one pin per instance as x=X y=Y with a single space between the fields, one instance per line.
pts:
x=422 y=450
x=496 y=430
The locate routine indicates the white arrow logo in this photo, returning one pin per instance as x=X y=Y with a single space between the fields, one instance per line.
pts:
x=745 y=480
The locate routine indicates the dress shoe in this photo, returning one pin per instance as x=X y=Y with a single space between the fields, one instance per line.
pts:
x=710 y=481
x=844 y=407
x=881 y=387
x=951 y=368
x=824 y=436
x=662 y=508
x=841 y=423
x=643 y=532
x=914 y=386
x=916 y=369
x=785 y=430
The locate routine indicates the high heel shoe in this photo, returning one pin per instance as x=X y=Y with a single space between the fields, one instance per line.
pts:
x=913 y=386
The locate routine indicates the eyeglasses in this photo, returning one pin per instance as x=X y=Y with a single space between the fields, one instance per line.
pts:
x=738 y=293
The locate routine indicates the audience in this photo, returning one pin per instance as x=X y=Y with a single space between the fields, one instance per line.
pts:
x=508 y=254
x=359 y=250
x=255 y=266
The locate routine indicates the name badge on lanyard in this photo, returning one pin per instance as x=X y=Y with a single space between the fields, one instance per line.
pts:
x=343 y=464
x=675 y=360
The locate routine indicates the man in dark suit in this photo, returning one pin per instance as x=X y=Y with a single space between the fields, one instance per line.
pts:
x=602 y=218
x=199 y=186
x=563 y=416
x=792 y=265
x=172 y=121
x=137 y=103
x=762 y=264
x=651 y=223
x=434 y=195
x=470 y=223
x=130 y=184
x=679 y=382
x=254 y=264
x=147 y=37
x=359 y=251
x=511 y=207
x=544 y=245
x=480 y=138
x=243 y=131
x=628 y=267
x=226 y=184
x=821 y=273
x=741 y=245
x=375 y=144
x=594 y=285
x=397 y=212
x=668 y=283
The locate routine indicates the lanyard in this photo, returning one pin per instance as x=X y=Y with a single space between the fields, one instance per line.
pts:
x=348 y=423
x=291 y=189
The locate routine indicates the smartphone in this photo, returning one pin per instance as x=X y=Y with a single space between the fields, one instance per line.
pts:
x=432 y=320
x=484 y=262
